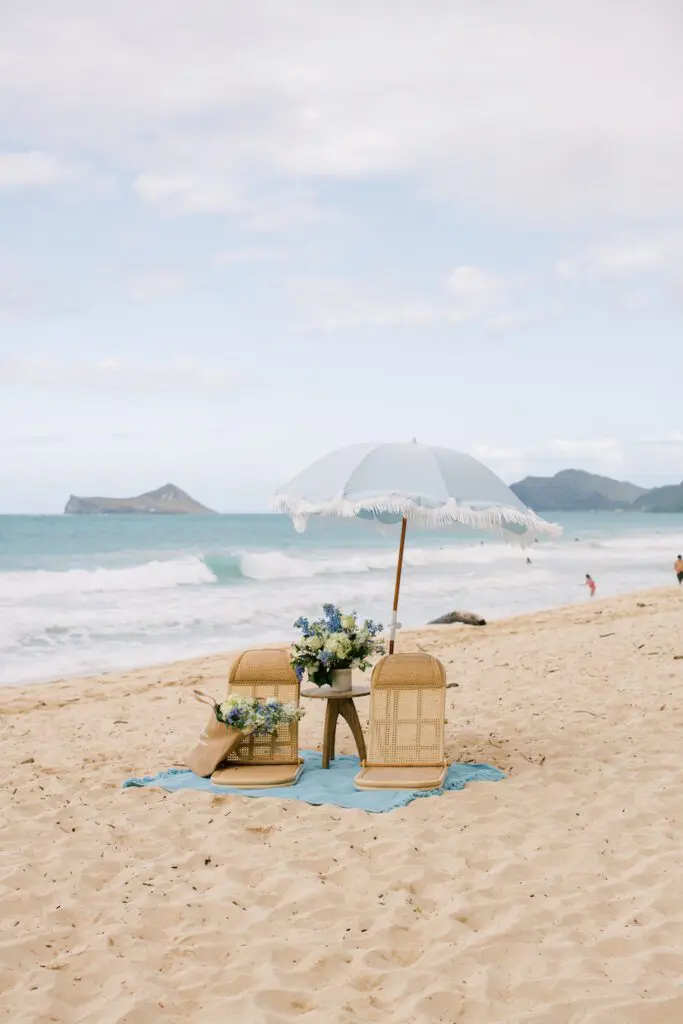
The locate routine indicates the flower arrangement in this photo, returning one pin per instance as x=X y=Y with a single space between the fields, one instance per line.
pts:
x=333 y=642
x=251 y=715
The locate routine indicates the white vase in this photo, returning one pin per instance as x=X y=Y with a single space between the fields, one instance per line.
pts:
x=341 y=680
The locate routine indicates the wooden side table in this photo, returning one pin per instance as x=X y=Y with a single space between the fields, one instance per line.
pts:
x=339 y=703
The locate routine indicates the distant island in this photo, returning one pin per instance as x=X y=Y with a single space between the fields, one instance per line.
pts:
x=574 y=490
x=570 y=490
x=166 y=500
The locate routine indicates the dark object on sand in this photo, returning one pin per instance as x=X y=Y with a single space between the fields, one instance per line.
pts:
x=467 y=618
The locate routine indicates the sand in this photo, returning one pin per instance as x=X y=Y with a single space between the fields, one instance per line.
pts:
x=554 y=896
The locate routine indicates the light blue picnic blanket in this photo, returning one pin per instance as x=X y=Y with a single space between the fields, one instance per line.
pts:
x=333 y=785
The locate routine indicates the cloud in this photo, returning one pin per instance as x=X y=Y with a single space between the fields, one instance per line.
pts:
x=27 y=289
x=469 y=294
x=671 y=440
x=476 y=292
x=514 y=320
x=156 y=284
x=35 y=169
x=625 y=258
x=655 y=458
x=249 y=254
x=33 y=440
x=569 y=449
x=179 y=194
x=600 y=455
x=330 y=304
x=196 y=192
x=115 y=375
x=535 y=111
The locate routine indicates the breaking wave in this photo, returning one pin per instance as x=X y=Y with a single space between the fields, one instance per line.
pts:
x=233 y=568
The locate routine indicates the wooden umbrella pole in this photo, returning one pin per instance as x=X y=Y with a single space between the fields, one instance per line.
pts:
x=397 y=586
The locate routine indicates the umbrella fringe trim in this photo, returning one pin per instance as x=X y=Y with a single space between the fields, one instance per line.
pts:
x=450 y=513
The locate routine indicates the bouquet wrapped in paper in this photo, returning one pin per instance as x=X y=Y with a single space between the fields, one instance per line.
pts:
x=231 y=722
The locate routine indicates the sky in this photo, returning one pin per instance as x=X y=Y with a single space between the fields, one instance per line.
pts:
x=235 y=236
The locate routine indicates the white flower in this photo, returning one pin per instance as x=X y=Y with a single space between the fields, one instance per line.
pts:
x=314 y=643
x=291 y=713
x=339 y=645
x=348 y=621
x=332 y=642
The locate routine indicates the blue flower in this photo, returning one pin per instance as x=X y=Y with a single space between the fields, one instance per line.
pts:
x=332 y=641
x=332 y=618
x=373 y=628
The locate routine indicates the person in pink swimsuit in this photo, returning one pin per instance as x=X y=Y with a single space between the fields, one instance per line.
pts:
x=591 y=584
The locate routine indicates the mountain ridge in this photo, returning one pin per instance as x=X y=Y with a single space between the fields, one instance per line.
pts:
x=166 y=500
x=575 y=490
x=661 y=499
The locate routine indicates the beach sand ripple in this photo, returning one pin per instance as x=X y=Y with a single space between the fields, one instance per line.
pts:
x=553 y=897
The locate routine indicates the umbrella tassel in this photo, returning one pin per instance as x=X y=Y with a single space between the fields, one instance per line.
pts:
x=397 y=586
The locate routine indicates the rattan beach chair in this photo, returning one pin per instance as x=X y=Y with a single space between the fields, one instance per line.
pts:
x=406 y=736
x=264 y=761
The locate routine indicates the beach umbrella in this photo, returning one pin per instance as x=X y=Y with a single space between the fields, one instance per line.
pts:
x=398 y=482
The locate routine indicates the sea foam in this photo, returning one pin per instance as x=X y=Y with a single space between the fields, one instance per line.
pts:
x=131 y=601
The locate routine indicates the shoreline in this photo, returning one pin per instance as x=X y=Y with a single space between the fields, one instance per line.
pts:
x=554 y=895
x=444 y=631
x=129 y=597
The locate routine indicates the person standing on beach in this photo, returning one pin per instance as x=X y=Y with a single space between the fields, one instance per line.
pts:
x=591 y=584
x=678 y=569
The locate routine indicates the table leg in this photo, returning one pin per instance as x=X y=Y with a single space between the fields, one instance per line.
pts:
x=333 y=732
x=347 y=709
x=331 y=715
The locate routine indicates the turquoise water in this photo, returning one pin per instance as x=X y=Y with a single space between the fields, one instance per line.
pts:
x=88 y=594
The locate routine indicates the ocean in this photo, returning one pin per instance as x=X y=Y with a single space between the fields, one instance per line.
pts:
x=88 y=594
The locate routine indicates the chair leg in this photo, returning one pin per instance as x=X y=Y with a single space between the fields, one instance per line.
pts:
x=347 y=709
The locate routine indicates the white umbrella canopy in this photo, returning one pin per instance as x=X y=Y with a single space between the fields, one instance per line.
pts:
x=397 y=482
